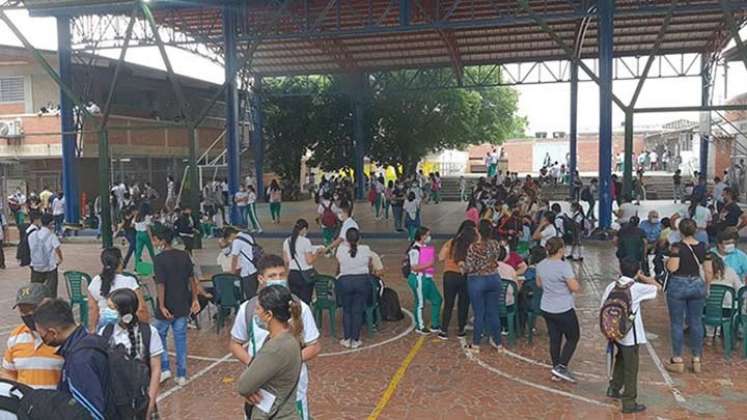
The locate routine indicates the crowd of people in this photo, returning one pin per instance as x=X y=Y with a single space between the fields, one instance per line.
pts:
x=512 y=249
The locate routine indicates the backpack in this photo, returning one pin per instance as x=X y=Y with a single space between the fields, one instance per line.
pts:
x=329 y=218
x=405 y=266
x=257 y=251
x=129 y=379
x=389 y=305
x=616 y=317
x=23 y=252
x=570 y=228
x=586 y=194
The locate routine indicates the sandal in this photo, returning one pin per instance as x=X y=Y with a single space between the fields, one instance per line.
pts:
x=697 y=365
x=675 y=366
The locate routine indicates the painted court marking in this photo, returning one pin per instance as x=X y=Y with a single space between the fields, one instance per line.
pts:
x=194 y=377
x=651 y=351
x=394 y=383
x=531 y=384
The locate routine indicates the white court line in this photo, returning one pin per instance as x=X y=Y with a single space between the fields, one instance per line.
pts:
x=655 y=357
x=204 y=358
x=194 y=377
x=499 y=372
x=395 y=338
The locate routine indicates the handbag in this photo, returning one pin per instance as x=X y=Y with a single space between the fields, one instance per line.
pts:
x=668 y=274
x=308 y=275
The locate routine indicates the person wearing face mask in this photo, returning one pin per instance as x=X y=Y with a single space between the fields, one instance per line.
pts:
x=27 y=359
x=139 y=339
x=422 y=256
x=250 y=331
x=726 y=248
x=397 y=201
x=346 y=217
x=85 y=370
x=299 y=255
x=652 y=228
x=353 y=286
x=110 y=279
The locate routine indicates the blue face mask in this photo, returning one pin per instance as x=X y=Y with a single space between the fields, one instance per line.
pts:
x=109 y=316
x=278 y=282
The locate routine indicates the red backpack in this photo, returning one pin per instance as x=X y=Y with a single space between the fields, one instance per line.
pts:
x=329 y=218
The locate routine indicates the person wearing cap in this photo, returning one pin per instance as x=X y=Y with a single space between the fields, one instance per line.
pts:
x=46 y=255
x=27 y=359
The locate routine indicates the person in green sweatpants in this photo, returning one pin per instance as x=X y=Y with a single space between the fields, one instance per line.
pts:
x=276 y=197
x=142 y=237
x=251 y=210
x=422 y=261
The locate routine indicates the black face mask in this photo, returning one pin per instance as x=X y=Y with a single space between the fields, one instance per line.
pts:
x=29 y=321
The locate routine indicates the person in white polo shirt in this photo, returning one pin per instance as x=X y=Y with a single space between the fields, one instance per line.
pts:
x=46 y=255
x=248 y=334
x=242 y=259
x=346 y=217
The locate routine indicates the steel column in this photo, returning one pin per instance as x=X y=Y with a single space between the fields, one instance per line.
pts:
x=67 y=118
x=359 y=141
x=606 y=42
x=233 y=150
x=573 y=132
x=628 y=153
x=705 y=116
x=104 y=187
x=258 y=140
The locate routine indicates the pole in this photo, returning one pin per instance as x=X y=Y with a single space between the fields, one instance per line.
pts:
x=258 y=142
x=104 y=181
x=606 y=42
x=67 y=119
x=628 y=163
x=359 y=141
x=232 y=109
x=705 y=116
x=194 y=184
x=573 y=135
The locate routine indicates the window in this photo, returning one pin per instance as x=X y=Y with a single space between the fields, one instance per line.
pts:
x=11 y=90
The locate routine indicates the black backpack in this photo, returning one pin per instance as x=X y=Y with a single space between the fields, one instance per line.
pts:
x=586 y=194
x=406 y=268
x=38 y=404
x=570 y=228
x=389 y=305
x=23 y=252
x=129 y=378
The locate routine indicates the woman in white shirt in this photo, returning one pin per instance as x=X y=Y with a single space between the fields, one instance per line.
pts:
x=139 y=339
x=299 y=255
x=353 y=286
x=109 y=280
x=546 y=229
x=251 y=209
x=241 y=198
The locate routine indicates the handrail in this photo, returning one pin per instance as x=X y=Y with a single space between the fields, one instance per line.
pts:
x=210 y=148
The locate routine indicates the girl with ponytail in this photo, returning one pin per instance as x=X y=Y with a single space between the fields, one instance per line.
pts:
x=110 y=279
x=299 y=255
x=353 y=285
x=277 y=366
x=139 y=339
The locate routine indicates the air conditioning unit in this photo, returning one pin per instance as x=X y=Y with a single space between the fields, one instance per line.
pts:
x=11 y=129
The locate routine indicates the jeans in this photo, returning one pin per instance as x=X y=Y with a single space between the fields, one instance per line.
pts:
x=397 y=215
x=455 y=285
x=130 y=236
x=354 y=292
x=180 y=340
x=590 y=212
x=485 y=296
x=58 y=220
x=242 y=215
x=559 y=325
x=685 y=300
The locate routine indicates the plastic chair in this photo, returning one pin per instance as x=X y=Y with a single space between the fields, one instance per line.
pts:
x=227 y=297
x=534 y=311
x=509 y=312
x=74 y=283
x=147 y=295
x=740 y=318
x=373 y=312
x=324 y=299
x=715 y=315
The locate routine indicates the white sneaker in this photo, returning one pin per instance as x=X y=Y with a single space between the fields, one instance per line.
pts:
x=345 y=343
x=355 y=344
x=181 y=380
x=165 y=376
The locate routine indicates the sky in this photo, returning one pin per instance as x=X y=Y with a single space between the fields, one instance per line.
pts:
x=547 y=106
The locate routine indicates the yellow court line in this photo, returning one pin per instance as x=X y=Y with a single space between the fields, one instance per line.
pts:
x=396 y=379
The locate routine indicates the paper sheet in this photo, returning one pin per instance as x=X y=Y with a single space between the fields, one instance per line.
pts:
x=268 y=399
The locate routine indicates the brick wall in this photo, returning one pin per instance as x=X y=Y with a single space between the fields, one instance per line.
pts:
x=11 y=108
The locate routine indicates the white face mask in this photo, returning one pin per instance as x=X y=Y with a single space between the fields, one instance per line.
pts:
x=729 y=248
x=427 y=239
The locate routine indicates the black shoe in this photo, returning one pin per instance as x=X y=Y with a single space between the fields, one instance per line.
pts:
x=443 y=336
x=638 y=408
x=461 y=333
x=612 y=393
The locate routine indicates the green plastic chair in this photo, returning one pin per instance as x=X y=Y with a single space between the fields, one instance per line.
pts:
x=147 y=295
x=324 y=300
x=227 y=297
x=740 y=318
x=74 y=281
x=144 y=269
x=534 y=311
x=509 y=312
x=715 y=315
x=373 y=312
x=522 y=248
